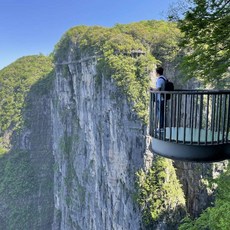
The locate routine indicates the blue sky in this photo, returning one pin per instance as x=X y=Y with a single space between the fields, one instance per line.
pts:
x=30 y=27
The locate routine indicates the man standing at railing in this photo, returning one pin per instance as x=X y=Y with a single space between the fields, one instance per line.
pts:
x=160 y=83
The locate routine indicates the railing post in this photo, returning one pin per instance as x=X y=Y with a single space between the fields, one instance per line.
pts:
x=171 y=117
x=151 y=114
x=164 y=122
x=223 y=119
x=185 y=118
x=192 y=117
x=155 y=116
x=207 y=117
x=228 y=118
x=213 y=116
x=200 y=117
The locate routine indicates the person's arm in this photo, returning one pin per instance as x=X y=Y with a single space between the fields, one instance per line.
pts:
x=151 y=89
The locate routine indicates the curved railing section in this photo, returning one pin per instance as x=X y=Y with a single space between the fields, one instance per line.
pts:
x=192 y=118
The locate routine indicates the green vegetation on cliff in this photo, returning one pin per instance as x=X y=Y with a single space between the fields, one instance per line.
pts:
x=216 y=217
x=17 y=188
x=160 y=195
x=15 y=82
x=26 y=178
x=127 y=53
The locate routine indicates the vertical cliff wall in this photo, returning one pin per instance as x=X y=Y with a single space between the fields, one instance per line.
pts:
x=198 y=187
x=99 y=143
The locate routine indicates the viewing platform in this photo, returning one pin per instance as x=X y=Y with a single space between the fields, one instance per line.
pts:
x=193 y=125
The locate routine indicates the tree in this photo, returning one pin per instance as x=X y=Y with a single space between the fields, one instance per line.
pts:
x=206 y=40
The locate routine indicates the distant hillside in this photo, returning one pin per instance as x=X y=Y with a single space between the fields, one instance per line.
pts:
x=16 y=81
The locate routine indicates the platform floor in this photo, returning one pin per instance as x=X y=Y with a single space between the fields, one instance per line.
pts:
x=189 y=135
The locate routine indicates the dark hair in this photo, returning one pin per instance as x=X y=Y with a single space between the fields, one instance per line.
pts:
x=159 y=70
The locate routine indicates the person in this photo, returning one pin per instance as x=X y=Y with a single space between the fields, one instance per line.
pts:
x=160 y=99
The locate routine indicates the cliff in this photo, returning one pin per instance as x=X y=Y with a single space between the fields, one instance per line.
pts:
x=99 y=144
x=81 y=137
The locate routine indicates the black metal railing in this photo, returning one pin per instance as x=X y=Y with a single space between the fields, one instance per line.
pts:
x=196 y=117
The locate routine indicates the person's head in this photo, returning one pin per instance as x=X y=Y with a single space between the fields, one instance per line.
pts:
x=159 y=70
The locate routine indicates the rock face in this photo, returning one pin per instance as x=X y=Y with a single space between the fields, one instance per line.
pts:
x=99 y=144
x=194 y=178
x=73 y=163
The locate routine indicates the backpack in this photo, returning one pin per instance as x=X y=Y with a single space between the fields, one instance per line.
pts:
x=168 y=86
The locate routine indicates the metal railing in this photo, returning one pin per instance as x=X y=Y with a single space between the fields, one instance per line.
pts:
x=196 y=117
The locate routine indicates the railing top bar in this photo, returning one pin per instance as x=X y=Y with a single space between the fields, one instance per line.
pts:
x=198 y=91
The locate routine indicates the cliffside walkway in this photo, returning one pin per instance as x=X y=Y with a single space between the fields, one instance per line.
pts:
x=195 y=125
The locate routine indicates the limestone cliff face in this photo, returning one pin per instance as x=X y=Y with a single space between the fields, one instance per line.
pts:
x=195 y=178
x=99 y=143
